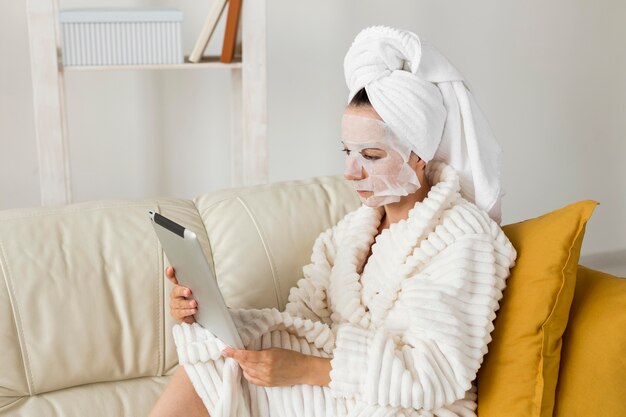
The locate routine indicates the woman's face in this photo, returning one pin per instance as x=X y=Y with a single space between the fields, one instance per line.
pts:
x=377 y=161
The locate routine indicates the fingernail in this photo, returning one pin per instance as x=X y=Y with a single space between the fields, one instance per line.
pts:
x=186 y=292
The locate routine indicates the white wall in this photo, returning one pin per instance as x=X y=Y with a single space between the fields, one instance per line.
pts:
x=550 y=76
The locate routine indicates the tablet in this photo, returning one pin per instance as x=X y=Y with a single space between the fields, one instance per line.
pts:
x=193 y=271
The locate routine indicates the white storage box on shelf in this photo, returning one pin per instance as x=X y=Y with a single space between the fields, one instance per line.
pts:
x=121 y=36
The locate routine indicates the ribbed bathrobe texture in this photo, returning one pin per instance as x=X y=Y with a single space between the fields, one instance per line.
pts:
x=406 y=335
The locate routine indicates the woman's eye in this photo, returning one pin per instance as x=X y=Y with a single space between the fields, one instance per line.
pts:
x=371 y=157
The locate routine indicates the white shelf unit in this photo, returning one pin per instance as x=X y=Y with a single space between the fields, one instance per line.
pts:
x=248 y=89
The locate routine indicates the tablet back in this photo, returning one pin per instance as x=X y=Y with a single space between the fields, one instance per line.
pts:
x=192 y=270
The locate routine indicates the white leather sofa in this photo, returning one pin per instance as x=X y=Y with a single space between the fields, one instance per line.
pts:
x=85 y=328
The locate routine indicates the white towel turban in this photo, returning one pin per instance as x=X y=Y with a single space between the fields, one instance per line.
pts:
x=427 y=103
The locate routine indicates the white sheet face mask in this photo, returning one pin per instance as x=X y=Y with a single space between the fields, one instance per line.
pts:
x=389 y=177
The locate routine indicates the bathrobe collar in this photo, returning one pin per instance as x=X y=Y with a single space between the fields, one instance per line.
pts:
x=396 y=249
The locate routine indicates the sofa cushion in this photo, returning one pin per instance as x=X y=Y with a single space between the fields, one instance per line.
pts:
x=592 y=375
x=83 y=296
x=261 y=236
x=519 y=373
x=131 y=397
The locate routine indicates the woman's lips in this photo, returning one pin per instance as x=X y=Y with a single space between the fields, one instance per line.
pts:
x=363 y=191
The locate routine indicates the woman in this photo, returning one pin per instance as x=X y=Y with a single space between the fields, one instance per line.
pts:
x=395 y=310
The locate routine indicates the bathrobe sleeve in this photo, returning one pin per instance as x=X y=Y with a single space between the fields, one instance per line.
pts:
x=308 y=298
x=448 y=308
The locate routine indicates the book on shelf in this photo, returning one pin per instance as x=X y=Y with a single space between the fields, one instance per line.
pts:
x=217 y=8
x=230 y=33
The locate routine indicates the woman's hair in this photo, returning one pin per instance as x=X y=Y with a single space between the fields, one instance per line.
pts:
x=360 y=99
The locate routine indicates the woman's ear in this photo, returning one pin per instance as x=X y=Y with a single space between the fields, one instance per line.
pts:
x=416 y=162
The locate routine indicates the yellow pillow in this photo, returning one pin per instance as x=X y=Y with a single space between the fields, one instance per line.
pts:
x=519 y=373
x=592 y=376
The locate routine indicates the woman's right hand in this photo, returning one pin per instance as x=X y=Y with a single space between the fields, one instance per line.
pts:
x=181 y=308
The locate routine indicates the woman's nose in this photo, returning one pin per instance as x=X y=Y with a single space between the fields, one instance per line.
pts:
x=353 y=170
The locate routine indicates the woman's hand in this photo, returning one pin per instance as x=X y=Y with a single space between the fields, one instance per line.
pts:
x=181 y=308
x=276 y=367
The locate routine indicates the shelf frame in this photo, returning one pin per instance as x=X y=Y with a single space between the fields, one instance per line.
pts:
x=206 y=62
x=248 y=97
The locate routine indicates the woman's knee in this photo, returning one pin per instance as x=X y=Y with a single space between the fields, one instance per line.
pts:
x=179 y=398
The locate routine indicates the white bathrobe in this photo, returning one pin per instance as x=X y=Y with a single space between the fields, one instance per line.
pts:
x=406 y=336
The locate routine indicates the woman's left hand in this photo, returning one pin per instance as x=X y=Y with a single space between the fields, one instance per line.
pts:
x=272 y=367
